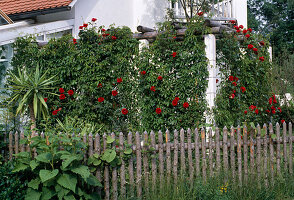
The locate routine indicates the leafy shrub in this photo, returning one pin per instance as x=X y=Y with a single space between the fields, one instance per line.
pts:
x=57 y=173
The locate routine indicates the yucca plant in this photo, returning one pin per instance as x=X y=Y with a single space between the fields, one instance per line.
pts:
x=29 y=90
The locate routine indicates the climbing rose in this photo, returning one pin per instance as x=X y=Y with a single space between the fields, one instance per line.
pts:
x=61 y=90
x=159 y=78
x=119 y=80
x=243 y=89
x=280 y=109
x=245 y=112
x=143 y=72
x=74 y=40
x=158 y=110
x=241 y=26
x=232 y=96
x=235 y=78
x=234 y=83
x=70 y=92
x=174 y=54
x=103 y=30
x=247 y=36
x=186 y=105
x=250 y=30
x=175 y=102
x=255 y=49
x=273 y=108
x=124 y=111
x=282 y=121
x=256 y=111
x=252 y=107
x=261 y=43
x=45 y=99
x=200 y=13
x=54 y=112
x=152 y=88
x=99 y=85
x=270 y=101
x=231 y=78
x=177 y=98
x=275 y=100
x=81 y=27
x=268 y=111
x=250 y=46
x=62 y=96
x=85 y=25
x=94 y=19
x=113 y=38
x=236 y=27
x=238 y=31
x=114 y=93
x=216 y=80
x=234 y=91
x=233 y=21
x=100 y=99
x=273 y=111
x=261 y=58
x=244 y=31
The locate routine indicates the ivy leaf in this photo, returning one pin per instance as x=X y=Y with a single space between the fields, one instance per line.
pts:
x=32 y=194
x=128 y=151
x=34 y=183
x=44 y=157
x=109 y=140
x=82 y=170
x=109 y=155
x=67 y=181
x=46 y=175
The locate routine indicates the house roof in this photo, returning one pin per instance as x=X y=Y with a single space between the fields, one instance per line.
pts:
x=11 y=7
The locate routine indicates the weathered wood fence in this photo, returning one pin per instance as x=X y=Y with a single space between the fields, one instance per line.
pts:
x=262 y=153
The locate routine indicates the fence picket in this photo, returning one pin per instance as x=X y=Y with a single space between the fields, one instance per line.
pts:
x=168 y=156
x=22 y=146
x=145 y=162
x=160 y=157
x=131 y=167
x=114 y=174
x=290 y=149
x=245 y=149
x=278 y=149
x=122 y=167
x=251 y=147
x=203 y=146
x=232 y=152
x=191 y=169
x=182 y=145
x=225 y=149
x=285 y=146
x=239 y=154
x=210 y=153
x=90 y=142
x=258 y=150
x=97 y=150
x=10 y=145
x=271 y=132
x=153 y=162
x=138 y=166
x=106 y=171
x=217 y=146
x=16 y=142
x=176 y=149
x=197 y=153
x=265 y=157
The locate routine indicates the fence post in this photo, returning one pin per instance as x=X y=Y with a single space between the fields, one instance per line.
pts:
x=197 y=153
x=285 y=146
x=258 y=149
x=114 y=173
x=168 y=157
x=145 y=162
x=225 y=149
x=217 y=146
x=160 y=157
x=290 y=149
x=122 y=167
x=271 y=132
x=252 y=166
x=106 y=170
x=210 y=153
x=176 y=149
x=232 y=151
x=239 y=154
x=182 y=139
x=265 y=165
x=139 y=165
x=278 y=149
x=131 y=167
x=191 y=169
x=203 y=146
x=97 y=148
x=245 y=148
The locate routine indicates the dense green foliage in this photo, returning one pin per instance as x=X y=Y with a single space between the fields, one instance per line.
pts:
x=57 y=173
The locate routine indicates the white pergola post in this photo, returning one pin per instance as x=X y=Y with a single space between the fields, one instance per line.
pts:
x=239 y=11
x=210 y=51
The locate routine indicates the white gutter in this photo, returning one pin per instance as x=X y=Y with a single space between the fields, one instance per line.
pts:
x=72 y=3
x=16 y=24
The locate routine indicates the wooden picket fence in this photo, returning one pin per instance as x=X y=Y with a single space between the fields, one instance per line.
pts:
x=160 y=158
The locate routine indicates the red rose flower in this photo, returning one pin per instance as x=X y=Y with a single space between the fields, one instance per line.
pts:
x=270 y=101
x=81 y=27
x=216 y=80
x=245 y=112
x=99 y=85
x=261 y=43
x=232 y=21
x=241 y=26
x=200 y=13
x=100 y=99
x=114 y=93
x=255 y=49
x=143 y=72
x=119 y=80
x=280 y=109
x=268 y=111
x=59 y=109
x=236 y=27
x=74 y=40
x=244 y=31
x=234 y=91
x=159 y=78
x=273 y=108
x=94 y=19
x=282 y=121
x=250 y=30
x=175 y=37
x=235 y=78
x=252 y=107
x=261 y=58
x=103 y=30
x=256 y=111
x=243 y=89
x=61 y=90
x=85 y=25
x=158 y=110
x=231 y=78
x=62 y=96
x=174 y=54
x=273 y=111
x=238 y=31
x=70 y=92
x=175 y=102
x=247 y=36
x=250 y=46
x=234 y=83
x=54 y=112
x=232 y=96
x=177 y=98
x=152 y=88
x=124 y=111
x=113 y=37
x=186 y=105
x=275 y=100
x=45 y=99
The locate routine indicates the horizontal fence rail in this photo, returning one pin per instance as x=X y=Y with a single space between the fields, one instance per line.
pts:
x=163 y=157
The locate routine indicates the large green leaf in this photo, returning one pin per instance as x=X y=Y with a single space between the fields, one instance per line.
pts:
x=61 y=192
x=46 y=175
x=20 y=167
x=32 y=194
x=47 y=193
x=67 y=181
x=44 y=157
x=92 y=180
x=82 y=170
x=68 y=160
x=69 y=197
x=34 y=183
x=34 y=164
x=109 y=155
